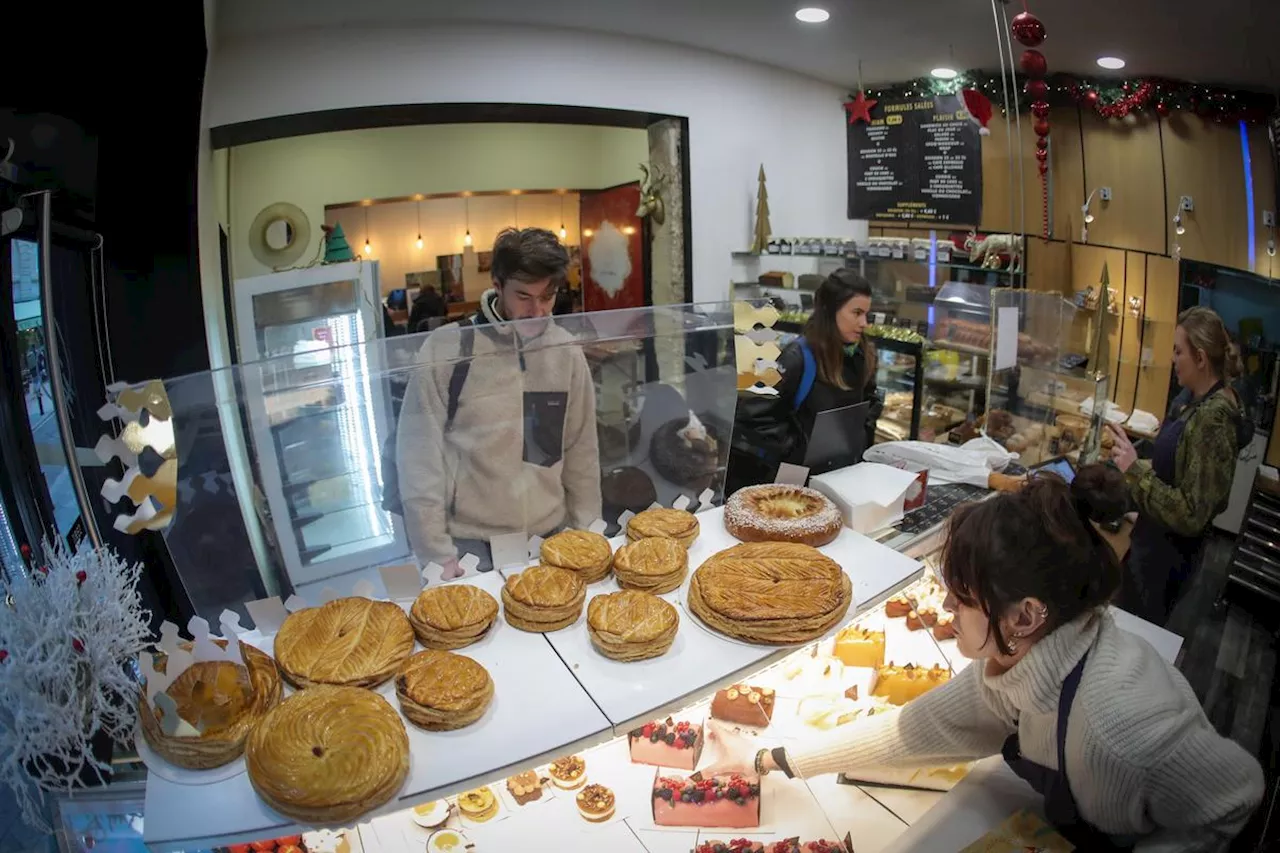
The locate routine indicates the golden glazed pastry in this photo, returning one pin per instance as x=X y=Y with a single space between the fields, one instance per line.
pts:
x=580 y=551
x=899 y=685
x=543 y=598
x=223 y=700
x=478 y=805
x=664 y=524
x=349 y=641
x=631 y=625
x=780 y=513
x=441 y=691
x=328 y=754
x=774 y=593
x=653 y=565
x=452 y=616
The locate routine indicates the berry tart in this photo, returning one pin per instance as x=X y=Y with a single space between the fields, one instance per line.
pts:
x=731 y=801
x=666 y=744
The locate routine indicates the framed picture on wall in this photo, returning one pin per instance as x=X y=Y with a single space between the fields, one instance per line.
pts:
x=614 y=264
x=484 y=261
x=449 y=268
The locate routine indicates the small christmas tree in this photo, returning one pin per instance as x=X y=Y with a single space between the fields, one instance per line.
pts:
x=761 y=239
x=336 y=249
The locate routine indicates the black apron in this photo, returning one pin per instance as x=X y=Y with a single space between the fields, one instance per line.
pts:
x=1059 y=803
x=1161 y=562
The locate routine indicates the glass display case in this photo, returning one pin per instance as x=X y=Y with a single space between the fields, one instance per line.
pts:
x=317 y=417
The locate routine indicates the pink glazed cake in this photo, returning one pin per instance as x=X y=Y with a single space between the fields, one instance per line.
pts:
x=731 y=801
x=667 y=744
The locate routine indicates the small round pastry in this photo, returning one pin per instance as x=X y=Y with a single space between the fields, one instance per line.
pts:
x=651 y=565
x=596 y=803
x=779 y=513
x=452 y=616
x=582 y=552
x=568 y=773
x=543 y=598
x=328 y=754
x=441 y=691
x=353 y=642
x=478 y=805
x=631 y=625
x=447 y=841
x=665 y=524
x=431 y=815
x=222 y=701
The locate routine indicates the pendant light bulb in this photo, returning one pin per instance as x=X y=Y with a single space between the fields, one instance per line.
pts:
x=419 y=241
x=466 y=239
x=368 y=249
x=564 y=234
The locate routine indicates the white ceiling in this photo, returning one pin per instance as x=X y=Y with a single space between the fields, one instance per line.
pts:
x=1229 y=41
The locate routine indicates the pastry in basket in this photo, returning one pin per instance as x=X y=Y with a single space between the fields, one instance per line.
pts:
x=900 y=685
x=354 y=642
x=780 y=513
x=674 y=524
x=219 y=701
x=580 y=551
x=653 y=565
x=543 y=598
x=452 y=616
x=441 y=691
x=774 y=593
x=328 y=754
x=631 y=625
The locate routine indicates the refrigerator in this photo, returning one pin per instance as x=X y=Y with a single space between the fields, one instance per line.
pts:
x=319 y=412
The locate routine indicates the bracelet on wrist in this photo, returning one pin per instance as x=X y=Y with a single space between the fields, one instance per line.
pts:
x=760 y=769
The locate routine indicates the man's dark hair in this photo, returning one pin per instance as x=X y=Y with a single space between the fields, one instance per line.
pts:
x=529 y=254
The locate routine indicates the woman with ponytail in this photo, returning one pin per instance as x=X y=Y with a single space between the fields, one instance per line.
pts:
x=1089 y=715
x=1187 y=481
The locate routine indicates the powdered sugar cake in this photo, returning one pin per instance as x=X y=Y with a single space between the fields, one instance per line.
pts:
x=775 y=512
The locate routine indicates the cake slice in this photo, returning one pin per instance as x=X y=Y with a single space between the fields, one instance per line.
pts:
x=731 y=801
x=945 y=629
x=744 y=704
x=899 y=605
x=860 y=647
x=900 y=685
x=666 y=744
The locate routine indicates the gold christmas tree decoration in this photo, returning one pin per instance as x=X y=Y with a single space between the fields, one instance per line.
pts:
x=761 y=239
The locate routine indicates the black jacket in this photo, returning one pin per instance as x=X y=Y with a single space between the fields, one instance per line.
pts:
x=426 y=306
x=777 y=432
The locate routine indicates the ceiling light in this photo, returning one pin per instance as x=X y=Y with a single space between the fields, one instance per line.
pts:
x=812 y=15
x=945 y=73
x=1111 y=63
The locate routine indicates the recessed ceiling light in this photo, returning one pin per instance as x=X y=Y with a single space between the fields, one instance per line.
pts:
x=1112 y=63
x=945 y=73
x=812 y=15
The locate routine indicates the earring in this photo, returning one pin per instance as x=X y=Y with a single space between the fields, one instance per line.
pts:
x=1013 y=646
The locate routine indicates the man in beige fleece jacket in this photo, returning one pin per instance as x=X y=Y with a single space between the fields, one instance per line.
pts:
x=517 y=450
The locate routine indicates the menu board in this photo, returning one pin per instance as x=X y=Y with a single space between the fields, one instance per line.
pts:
x=918 y=159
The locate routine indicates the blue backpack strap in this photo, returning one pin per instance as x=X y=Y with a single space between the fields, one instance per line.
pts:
x=807 y=376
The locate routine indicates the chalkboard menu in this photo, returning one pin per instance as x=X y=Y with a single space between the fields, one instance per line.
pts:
x=917 y=159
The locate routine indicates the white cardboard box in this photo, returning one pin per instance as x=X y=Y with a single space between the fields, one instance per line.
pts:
x=869 y=495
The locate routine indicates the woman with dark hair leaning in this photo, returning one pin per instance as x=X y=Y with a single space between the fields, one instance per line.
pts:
x=1089 y=715
x=1187 y=481
x=768 y=429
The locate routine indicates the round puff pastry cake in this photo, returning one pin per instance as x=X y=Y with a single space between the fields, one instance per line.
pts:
x=631 y=625
x=780 y=513
x=674 y=524
x=580 y=551
x=651 y=565
x=222 y=701
x=543 y=598
x=328 y=754
x=441 y=691
x=775 y=593
x=452 y=616
x=354 y=642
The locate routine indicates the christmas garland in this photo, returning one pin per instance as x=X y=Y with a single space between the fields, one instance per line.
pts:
x=1107 y=97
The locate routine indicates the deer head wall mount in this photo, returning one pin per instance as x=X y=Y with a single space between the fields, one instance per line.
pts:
x=652 y=184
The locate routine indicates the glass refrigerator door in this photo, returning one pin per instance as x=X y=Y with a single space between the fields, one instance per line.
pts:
x=323 y=419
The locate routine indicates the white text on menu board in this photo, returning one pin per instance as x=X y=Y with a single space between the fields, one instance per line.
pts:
x=945 y=157
x=879 y=175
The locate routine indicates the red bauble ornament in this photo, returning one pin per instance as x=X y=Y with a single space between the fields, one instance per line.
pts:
x=1042 y=142
x=81 y=576
x=1037 y=90
x=78 y=645
x=1044 y=168
x=1122 y=110
x=1040 y=109
x=26 y=551
x=1027 y=29
x=1091 y=98
x=1042 y=154
x=1033 y=64
x=1042 y=128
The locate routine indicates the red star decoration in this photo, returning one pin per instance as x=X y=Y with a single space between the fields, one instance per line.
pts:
x=859 y=109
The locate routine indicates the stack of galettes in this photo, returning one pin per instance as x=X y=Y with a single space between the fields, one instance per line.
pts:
x=664 y=524
x=586 y=554
x=631 y=625
x=651 y=565
x=775 y=593
x=543 y=598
